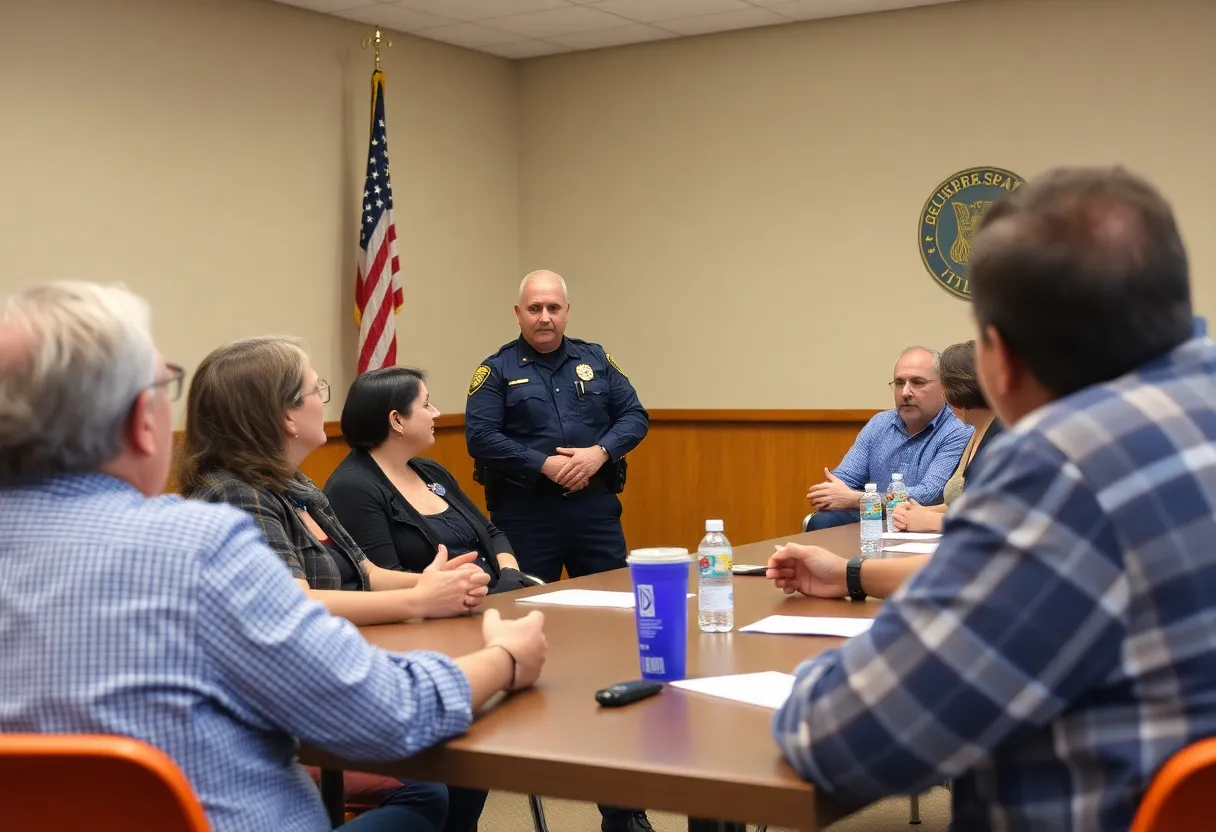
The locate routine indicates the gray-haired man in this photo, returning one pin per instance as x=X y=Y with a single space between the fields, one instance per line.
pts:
x=172 y=622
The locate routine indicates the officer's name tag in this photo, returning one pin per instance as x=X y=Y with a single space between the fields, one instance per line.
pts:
x=518 y=381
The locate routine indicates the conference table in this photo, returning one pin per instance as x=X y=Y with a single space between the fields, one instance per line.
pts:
x=679 y=751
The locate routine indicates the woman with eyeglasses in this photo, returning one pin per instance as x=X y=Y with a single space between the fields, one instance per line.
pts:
x=255 y=410
x=960 y=383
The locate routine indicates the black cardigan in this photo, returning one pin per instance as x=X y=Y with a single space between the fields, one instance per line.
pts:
x=391 y=532
x=994 y=428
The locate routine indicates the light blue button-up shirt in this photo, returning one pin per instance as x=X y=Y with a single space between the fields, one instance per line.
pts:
x=926 y=460
x=172 y=622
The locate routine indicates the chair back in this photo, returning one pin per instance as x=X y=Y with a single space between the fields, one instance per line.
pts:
x=99 y=783
x=1180 y=797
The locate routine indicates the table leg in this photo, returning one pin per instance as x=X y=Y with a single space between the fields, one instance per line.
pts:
x=538 y=814
x=333 y=795
x=700 y=825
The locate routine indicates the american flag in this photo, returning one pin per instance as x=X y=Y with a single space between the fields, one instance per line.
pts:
x=377 y=286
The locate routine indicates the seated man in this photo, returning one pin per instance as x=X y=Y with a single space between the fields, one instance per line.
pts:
x=1057 y=648
x=172 y=622
x=920 y=438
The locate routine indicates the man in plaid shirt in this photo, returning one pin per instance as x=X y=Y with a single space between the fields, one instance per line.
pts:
x=1059 y=646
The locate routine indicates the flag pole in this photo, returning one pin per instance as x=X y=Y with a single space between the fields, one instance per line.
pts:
x=374 y=41
x=378 y=295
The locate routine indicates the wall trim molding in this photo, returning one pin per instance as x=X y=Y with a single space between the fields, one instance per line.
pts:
x=769 y=416
x=774 y=417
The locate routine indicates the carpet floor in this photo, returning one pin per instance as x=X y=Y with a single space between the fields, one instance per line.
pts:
x=507 y=812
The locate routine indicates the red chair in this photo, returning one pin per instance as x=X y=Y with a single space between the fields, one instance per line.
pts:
x=99 y=783
x=1180 y=797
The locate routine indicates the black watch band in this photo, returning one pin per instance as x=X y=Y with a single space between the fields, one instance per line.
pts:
x=852 y=578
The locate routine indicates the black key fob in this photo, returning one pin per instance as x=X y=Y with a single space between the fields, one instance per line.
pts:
x=627 y=692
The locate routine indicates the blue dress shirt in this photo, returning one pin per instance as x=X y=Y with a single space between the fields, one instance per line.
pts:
x=172 y=622
x=926 y=460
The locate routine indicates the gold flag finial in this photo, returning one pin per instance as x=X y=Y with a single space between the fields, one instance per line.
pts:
x=374 y=41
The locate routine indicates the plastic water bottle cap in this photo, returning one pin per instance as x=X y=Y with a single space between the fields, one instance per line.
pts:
x=871 y=486
x=714 y=526
x=897 y=476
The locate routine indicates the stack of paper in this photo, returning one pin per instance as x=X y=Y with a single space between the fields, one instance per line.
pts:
x=769 y=689
x=927 y=547
x=584 y=598
x=803 y=625
x=911 y=535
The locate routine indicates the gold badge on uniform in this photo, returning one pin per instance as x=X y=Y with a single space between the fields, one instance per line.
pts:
x=585 y=372
x=615 y=366
x=479 y=378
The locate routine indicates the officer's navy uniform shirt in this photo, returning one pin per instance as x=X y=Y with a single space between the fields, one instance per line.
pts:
x=528 y=405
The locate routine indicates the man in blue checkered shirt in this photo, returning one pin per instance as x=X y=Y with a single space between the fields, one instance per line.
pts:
x=123 y=612
x=1060 y=645
x=920 y=438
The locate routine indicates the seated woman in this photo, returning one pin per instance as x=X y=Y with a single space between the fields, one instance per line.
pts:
x=956 y=369
x=399 y=507
x=255 y=410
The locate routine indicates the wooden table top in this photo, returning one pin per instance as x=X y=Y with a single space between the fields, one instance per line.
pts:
x=678 y=751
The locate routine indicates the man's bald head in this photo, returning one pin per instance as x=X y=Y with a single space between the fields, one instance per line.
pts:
x=920 y=352
x=543 y=309
x=918 y=393
x=545 y=278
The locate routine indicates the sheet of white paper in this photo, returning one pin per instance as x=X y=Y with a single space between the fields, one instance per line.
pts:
x=584 y=598
x=769 y=689
x=927 y=548
x=911 y=535
x=803 y=625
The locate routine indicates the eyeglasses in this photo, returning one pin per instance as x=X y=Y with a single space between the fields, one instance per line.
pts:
x=172 y=384
x=914 y=383
x=322 y=391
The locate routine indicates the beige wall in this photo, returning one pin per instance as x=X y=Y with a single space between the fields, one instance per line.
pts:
x=737 y=213
x=209 y=153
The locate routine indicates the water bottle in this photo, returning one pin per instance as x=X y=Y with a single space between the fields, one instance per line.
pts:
x=871 y=520
x=897 y=493
x=715 y=584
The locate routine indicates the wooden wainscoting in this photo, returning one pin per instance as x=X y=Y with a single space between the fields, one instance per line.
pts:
x=751 y=468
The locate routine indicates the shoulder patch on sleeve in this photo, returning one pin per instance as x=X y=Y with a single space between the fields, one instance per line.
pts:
x=616 y=366
x=479 y=378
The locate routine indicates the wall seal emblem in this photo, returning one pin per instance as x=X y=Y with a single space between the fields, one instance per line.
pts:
x=949 y=220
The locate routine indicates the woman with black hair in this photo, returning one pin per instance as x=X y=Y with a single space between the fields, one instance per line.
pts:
x=397 y=505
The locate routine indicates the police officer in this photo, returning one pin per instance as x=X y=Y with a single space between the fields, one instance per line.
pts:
x=548 y=423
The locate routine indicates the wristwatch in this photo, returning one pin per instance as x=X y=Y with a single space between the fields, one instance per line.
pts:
x=607 y=455
x=852 y=578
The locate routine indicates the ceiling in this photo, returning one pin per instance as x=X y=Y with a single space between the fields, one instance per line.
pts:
x=528 y=28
